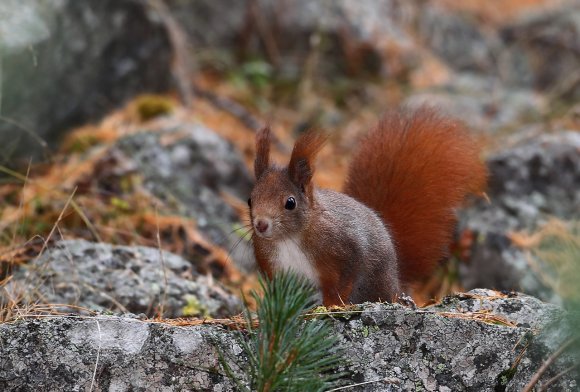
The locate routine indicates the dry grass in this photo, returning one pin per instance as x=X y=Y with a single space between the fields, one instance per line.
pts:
x=553 y=253
x=500 y=12
x=67 y=199
x=482 y=316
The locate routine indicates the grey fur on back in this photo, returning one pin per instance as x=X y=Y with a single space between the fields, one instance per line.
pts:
x=356 y=235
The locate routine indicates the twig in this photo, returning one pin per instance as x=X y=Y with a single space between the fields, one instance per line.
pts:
x=162 y=258
x=547 y=364
x=238 y=111
x=557 y=376
x=54 y=227
x=98 y=356
x=386 y=380
x=265 y=33
x=86 y=220
x=29 y=131
x=119 y=305
x=15 y=174
x=21 y=202
x=58 y=220
x=230 y=106
x=182 y=62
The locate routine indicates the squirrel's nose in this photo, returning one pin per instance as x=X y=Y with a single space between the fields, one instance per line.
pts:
x=262 y=225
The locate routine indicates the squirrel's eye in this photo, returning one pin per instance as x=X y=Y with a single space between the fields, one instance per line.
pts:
x=290 y=203
x=250 y=202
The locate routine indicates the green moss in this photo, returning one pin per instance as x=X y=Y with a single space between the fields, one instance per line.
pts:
x=120 y=204
x=82 y=143
x=365 y=331
x=321 y=312
x=504 y=378
x=193 y=307
x=150 y=106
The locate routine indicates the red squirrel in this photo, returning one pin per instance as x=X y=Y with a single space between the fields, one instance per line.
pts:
x=390 y=227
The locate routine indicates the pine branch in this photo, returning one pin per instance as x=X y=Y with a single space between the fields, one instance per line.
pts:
x=285 y=352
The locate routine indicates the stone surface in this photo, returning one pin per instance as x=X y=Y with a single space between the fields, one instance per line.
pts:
x=523 y=310
x=456 y=39
x=189 y=166
x=539 y=175
x=101 y=277
x=531 y=182
x=392 y=347
x=66 y=62
x=482 y=102
x=543 y=50
x=110 y=354
x=364 y=36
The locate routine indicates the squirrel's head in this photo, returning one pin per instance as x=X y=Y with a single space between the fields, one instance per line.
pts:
x=283 y=196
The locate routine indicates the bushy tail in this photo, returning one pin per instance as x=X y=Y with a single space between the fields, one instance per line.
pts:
x=415 y=168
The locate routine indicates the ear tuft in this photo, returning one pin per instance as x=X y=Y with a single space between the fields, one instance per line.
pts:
x=301 y=166
x=262 y=161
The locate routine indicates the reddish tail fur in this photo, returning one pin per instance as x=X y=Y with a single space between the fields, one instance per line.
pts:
x=415 y=168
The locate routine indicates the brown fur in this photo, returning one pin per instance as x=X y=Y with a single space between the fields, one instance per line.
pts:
x=262 y=161
x=415 y=168
x=301 y=166
x=263 y=258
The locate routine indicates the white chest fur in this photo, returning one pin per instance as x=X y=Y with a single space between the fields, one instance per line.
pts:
x=290 y=257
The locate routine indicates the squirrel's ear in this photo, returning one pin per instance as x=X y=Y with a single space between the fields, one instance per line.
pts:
x=262 y=161
x=301 y=166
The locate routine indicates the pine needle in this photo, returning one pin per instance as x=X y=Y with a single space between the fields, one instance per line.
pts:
x=285 y=351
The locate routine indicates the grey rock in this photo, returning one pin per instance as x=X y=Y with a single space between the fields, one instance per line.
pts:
x=206 y=22
x=458 y=41
x=520 y=309
x=66 y=62
x=496 y=262
x=543 y=50
x=543 y=171
x=390 y=347
x=102 y=277
x=190 y=172
x=370 y=25
x=121 y=354
x=482 y=102
x=530 y=183
x=424 y=350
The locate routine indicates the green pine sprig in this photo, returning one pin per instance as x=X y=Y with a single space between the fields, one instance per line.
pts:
x=286 y=352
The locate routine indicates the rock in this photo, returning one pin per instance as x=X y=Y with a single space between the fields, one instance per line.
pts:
x=496 y=262
x=364 y=37
x=66 y=62
x=102 y=277
x=457 y=40
x=482 y=102
x=189 y=166
x=523 y=310
x=206 y=23
x=543 y=172
x=390 y=347
x=530 y=183
x=122 y=354
x=543 y=50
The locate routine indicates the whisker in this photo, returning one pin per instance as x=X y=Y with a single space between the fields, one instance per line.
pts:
x=242 y=227
x=237 y=243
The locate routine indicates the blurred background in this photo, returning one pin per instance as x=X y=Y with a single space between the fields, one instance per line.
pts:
x=132 y=122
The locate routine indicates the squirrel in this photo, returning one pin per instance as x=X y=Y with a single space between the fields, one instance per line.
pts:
x=392 y=225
